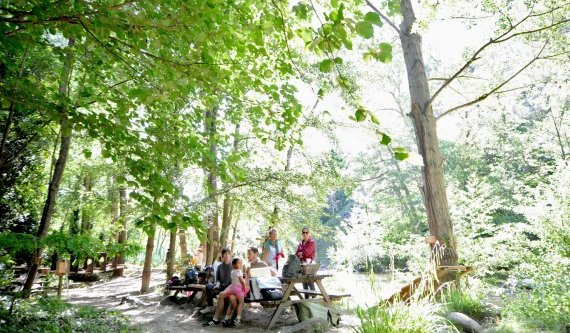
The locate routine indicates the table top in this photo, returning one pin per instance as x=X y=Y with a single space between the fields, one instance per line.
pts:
x=311 y=277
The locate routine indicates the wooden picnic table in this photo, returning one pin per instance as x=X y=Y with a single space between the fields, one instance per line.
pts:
x=291 y=290
x=203 y=277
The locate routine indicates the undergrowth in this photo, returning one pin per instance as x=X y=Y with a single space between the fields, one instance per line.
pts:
x=51 y=315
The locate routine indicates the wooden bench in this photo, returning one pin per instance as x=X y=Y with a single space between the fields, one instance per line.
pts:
x=333 y=296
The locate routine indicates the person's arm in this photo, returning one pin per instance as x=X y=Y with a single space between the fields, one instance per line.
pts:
x=218 y=275
x=299 y=252
x=310 y=250
x=242 y=281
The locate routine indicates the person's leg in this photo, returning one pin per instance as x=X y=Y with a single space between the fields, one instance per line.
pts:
x=220 y=305
x=210 y=294
x=240 y=308
x=309 y=286
x=230 y=308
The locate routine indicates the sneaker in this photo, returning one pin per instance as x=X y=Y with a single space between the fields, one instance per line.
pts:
x=211 y=323
x=237 y=323
x=228 y=323
x=207 y=310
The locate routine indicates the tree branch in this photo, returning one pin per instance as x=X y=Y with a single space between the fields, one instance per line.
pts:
x=384 y=17
x=487 y=94
x=501 y=38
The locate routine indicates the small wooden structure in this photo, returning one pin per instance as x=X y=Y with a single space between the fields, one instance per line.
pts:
x=203 y=277
x=61 y=270
x=406 y=292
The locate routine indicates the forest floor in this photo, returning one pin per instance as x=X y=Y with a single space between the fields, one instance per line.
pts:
x=157 y=318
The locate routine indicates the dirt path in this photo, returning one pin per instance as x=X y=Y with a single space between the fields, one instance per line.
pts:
x=156 y=318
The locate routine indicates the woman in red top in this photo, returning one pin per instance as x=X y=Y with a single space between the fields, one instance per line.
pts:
x=306 y=251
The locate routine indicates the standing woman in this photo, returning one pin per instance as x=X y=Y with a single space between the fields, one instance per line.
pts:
x=306 y=252
x=272 y=250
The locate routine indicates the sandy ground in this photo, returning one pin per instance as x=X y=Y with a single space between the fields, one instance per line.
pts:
x=156 y=318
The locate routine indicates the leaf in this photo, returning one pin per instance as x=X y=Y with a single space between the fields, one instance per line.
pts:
x=301 y=10
x=326 y=66
x=338 y=60
x=365 y=29
x=373 y=18
x=385 y=55
x=400 y=153
x=87 y=153
x=385 y=139
x=360 y=115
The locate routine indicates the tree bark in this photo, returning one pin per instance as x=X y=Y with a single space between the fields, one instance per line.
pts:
x=148 y=261
x=183 y=245
x=122 y=237
x=433 y=187
x=53 y=188
x=85 y=214
x=171 y=255
x=224 y=233
x=212 y=186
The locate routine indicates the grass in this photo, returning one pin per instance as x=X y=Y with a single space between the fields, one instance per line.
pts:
x=51 y=315
x=466 y=303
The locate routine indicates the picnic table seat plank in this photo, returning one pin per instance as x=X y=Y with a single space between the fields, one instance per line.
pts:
x=333 y=296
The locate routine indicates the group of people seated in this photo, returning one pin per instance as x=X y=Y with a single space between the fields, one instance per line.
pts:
x=231 y=279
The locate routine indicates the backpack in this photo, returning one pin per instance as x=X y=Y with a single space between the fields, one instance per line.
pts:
x=174 y=281
x=191 y=276
x=292 y=267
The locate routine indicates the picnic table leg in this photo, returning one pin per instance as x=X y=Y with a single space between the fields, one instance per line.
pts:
x=323 y=291
x=281 y=305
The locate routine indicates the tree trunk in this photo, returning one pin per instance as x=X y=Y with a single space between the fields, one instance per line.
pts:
x=183 y=245
x=433 y=187
x=171 y=255
x=53 y=188
x=224 y=233
x=212 y=186
x=122 y=238
x=148 y=261
x=86 y=223
x=114 y=195
x=234 y=233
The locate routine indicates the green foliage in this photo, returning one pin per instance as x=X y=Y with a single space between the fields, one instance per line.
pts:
x=547 y=305
x=419 y=316
x=464 y=302
x=52 y=315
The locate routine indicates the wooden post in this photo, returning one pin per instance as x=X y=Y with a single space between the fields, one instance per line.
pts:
x=61 y=270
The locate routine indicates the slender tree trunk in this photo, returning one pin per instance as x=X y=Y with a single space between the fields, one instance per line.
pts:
x=122 y=238
x=183 y=245
x=224 y=233
x=234 y=234
x=114 y=194
x=212 y=186
x=171 y=255
x=147 y=269
x=433 y=187
x=85 y=214
x=53 y=188
x=12 y=109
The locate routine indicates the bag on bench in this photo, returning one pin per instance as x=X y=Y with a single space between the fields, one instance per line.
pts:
x=266 y=288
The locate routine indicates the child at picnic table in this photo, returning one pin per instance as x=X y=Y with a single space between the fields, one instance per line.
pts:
x=239 y=289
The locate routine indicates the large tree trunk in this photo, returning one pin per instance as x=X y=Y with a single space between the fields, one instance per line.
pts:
x=433 y=187
x=122 y=237
x=234 y=234
x=148 y=261
x=49 y=206
x=171 y=255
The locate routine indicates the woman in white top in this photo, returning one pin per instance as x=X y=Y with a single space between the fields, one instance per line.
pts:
x=273 y=251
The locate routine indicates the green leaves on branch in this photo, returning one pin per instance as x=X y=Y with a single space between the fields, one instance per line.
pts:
x=382 y=54
x=373 y=18
x=400 y=153
x=365 y=29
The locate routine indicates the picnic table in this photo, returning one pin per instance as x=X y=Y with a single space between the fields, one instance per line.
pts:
x=203 y=277
x=291 y=290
